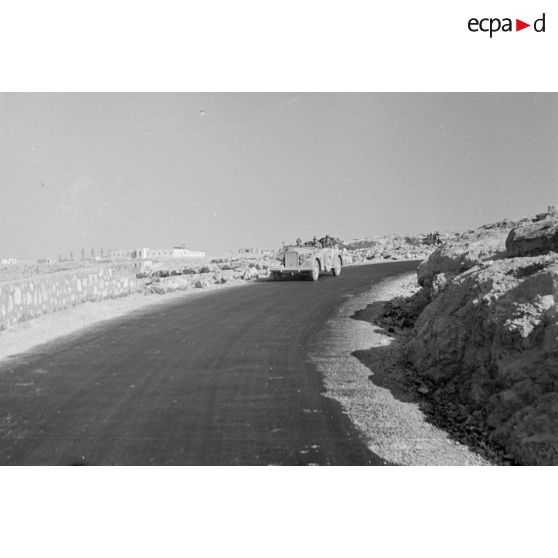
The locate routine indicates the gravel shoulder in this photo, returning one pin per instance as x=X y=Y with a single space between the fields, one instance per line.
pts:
x=76 y=319
x=363 y=371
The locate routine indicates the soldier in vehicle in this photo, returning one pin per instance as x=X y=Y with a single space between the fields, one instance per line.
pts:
x=299 y=241
x=326 y=241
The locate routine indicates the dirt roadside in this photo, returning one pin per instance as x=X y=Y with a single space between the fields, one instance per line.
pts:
x=363 y=371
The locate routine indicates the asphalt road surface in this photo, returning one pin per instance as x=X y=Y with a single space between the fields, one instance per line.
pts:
x=217 y=379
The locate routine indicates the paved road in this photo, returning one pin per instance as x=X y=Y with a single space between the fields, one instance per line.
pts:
x=217 y=379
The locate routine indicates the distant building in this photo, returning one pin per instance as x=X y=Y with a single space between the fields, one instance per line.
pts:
x=8 y=261
x=246 y=252
x=122 y=254
x=184 y=252
x=159 y=253
x=44 y=261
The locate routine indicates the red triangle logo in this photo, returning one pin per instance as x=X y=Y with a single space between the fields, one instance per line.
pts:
x=519 y=25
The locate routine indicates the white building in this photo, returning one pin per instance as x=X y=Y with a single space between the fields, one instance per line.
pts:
x=8 y=261
x=183 y=252
x=156 y=253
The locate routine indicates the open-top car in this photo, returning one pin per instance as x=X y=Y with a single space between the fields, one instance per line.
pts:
x=309 y=259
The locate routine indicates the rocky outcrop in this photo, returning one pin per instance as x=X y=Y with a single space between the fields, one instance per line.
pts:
x=482 y=333
x=534 y=238
x=164 y=281
x=459 y=256
x=465 y=251
x=489 y=341
x=392 y=247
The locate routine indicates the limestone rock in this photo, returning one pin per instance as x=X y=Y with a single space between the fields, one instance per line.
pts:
x=531 y=434
x=489 y=341
x=461 y=254
x=249 y=273
x=387 y=247
x=534 y=238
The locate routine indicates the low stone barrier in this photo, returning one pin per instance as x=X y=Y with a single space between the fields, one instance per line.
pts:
x=25 y=299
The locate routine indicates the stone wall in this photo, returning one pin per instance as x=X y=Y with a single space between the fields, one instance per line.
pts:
x=28 y=298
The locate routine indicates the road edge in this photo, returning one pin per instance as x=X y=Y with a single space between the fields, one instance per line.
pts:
x=361 y=368
x=29 y=334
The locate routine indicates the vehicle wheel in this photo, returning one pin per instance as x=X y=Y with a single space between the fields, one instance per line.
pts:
x=315 y=271
x=276 y=276
x=337 y=267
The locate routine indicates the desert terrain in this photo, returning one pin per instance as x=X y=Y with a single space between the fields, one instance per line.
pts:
x=449 y=360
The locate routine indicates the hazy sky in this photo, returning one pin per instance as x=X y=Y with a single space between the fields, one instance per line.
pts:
x=223 y=171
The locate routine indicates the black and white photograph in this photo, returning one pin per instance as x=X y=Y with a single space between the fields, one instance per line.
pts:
x=278 y=279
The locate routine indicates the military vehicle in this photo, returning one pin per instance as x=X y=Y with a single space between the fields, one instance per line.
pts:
x=309 y=259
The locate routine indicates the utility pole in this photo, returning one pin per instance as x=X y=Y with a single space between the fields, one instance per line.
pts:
x=83 y=253
x=93 y=252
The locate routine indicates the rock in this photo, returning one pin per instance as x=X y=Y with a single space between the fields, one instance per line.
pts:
x=201 y=284
x=464 y=251
x=423 y=389
x=461 y=254
x=208 y=269
x=402 y=312
x=163 y=286
x=530 y=435
x=439 y=284
x=156 y=288
x=249 y=273
x=489 y=341
x=534 y=238
x=386 y=247
x=225 y=277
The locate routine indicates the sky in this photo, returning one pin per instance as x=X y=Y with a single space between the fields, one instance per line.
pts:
x=221 y=172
